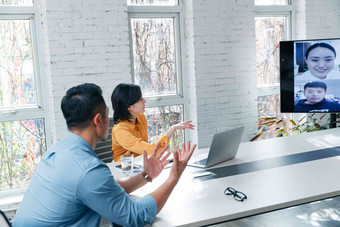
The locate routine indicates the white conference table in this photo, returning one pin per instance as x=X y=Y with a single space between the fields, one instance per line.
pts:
x=196 y=202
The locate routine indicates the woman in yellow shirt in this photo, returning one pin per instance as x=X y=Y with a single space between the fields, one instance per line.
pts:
x=129 y=134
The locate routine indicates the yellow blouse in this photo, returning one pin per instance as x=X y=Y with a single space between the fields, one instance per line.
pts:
x=129 y=138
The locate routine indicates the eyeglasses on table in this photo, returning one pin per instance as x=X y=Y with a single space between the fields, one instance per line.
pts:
x=239 y=196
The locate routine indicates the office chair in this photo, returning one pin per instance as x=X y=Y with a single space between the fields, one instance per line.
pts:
x=4 y=220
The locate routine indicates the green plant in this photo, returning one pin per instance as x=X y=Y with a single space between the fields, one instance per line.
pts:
x=284 y=127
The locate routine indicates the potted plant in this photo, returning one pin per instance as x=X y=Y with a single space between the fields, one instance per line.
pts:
x=282 y=126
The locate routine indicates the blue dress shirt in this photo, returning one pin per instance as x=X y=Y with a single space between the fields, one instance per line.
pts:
x=72 y=187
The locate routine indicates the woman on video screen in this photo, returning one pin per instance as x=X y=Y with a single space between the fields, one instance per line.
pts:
x=320 y=59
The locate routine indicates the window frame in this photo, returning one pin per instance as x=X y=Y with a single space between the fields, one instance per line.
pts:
x=161 y=12
x=175 y=12
x=287 y=11
x=41 y=110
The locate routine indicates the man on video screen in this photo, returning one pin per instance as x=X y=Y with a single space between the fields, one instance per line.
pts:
x=315 y=100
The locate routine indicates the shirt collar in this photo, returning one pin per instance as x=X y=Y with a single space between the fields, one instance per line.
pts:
x=131 y=125
x=80 y=140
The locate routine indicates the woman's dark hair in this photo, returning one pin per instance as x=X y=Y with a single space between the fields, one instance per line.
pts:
x=123 y=96
x=325 y=45
x=81 y=103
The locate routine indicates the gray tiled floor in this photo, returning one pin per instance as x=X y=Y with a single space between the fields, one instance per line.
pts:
x=324 y=213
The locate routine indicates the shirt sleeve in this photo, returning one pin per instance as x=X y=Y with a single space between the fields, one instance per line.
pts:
x=98 y=190
x=131 y=143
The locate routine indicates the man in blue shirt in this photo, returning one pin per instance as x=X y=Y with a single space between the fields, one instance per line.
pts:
x=72 y=187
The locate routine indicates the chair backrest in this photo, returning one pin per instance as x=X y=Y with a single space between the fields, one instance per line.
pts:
x=4 y=222
x=104 y=148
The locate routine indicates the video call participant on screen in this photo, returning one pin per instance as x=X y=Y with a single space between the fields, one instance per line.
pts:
x=320 y=59
x=129 y=134
x=315 y=101
x=72 y=187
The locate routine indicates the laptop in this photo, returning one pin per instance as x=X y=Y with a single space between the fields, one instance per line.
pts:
x=223 y=147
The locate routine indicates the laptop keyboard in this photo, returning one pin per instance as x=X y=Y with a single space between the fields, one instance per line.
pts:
x=202 y=162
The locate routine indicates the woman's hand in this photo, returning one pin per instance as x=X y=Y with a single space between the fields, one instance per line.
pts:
x=184 y=125
x=179 y=126
x=154 y=165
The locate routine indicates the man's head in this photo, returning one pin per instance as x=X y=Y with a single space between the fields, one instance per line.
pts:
x=315 y=92
x=82 y=104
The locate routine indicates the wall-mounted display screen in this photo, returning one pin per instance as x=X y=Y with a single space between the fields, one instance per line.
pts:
x=310 y=76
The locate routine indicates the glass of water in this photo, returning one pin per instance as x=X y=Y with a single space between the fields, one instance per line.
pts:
x=127 y=164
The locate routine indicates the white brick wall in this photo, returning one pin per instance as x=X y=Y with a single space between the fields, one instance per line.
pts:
x=189 y=68
x=322 y=19
x=317 y=19
x=225 y=67
x=87 y=41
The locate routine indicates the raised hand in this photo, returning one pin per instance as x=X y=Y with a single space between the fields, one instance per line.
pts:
x=154 y=165
x=181 y=158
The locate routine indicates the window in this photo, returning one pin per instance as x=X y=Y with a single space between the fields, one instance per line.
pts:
x=156 y=63
x=24 y=119
x=273 y=23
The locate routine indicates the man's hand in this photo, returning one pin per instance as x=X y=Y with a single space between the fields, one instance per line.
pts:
x=181 y=158
x=154 y=165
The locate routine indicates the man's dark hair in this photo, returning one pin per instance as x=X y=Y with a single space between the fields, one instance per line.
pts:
x=123 y=96
x=315 y=84
x=324 y=45
x=81 y=103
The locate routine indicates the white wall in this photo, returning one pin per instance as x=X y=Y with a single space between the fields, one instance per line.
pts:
x=317 y=19
x=225 y=67
x=87 y=41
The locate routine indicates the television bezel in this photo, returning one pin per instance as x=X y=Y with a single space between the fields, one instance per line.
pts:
x=287 y=94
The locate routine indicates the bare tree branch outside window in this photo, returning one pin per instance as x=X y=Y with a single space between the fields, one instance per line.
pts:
x=160 y=119
x=16 y=2
x=269 y=32
x=154 y=55
x=22 y=144
x=155 y=68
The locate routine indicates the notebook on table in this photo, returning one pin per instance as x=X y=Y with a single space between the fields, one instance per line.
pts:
x=223 y=147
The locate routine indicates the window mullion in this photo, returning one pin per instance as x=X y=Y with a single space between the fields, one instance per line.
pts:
x=17 y=10
x=153 y=102
x=152 y=9
x=15 y=115
x=267 y=91
x=274 y=9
